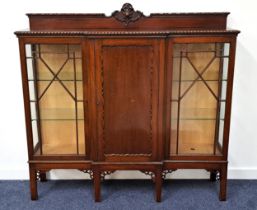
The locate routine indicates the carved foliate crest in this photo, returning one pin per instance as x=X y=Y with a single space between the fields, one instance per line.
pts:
x=127 y=14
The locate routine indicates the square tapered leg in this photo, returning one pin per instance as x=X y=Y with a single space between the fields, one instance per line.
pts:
x=33 y=184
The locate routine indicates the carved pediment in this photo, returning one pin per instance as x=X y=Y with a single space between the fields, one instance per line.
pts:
x=127 y=14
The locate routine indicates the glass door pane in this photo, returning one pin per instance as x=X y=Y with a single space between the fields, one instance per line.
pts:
x=198 y=98
x=56 y=95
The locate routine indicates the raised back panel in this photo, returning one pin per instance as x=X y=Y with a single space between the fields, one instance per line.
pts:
x=128 y=19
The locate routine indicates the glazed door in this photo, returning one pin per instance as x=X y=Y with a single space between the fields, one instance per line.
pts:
x=56 y=98
x=127 y=98
x=199 y=96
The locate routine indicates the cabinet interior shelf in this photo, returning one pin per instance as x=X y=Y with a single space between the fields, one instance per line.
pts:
x=175 y=119
x=60 y=114
x=34 y=101
x=50 y=80
x=200 y=80
x=60 y=119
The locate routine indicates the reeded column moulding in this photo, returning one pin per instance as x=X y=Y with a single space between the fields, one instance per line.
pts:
x=127 y=92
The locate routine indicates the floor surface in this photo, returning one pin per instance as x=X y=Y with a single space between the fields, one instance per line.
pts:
x=130 y=194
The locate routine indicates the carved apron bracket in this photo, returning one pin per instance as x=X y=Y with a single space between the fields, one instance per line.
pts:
x=105 y=173
x=90 y=172
x=41 y=175
x=38 y=175
x=214 y=175
x=149 y=173
x=165 y=172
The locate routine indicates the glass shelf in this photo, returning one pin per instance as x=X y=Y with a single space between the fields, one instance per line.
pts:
x=48 y=76
x=51 y=90
x=57 y=119
x=63 y=49
x=219 y=49
x=49 y=80
x=175 y=119
x=76 y=100
x=62 y=67
x=187 y=113
x=58 y=114
x=176 y=100
x=199 y=80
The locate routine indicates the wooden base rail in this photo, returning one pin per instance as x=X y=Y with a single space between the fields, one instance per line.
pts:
x=157 y=172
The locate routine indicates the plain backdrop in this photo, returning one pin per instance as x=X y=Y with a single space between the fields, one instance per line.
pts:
x=243 y=135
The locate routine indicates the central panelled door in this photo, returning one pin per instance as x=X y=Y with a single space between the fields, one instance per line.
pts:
x=127 y=73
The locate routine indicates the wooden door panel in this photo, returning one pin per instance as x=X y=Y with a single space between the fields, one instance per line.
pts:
x=127 y=80
x=127 y=99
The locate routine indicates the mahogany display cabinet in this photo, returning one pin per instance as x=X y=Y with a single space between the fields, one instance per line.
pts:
x=127 y=92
